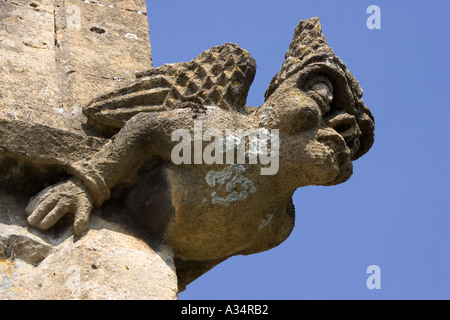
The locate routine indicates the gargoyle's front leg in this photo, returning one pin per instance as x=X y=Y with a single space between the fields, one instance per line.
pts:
x=94 y=177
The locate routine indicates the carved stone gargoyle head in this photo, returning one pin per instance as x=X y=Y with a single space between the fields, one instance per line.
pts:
x=208 y=211
x=315 y=92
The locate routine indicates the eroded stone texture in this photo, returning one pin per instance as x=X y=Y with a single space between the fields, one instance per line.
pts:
x=58 y=55
x=108 y=263
x=54 y=57
x=101 y=50
x=29 y=86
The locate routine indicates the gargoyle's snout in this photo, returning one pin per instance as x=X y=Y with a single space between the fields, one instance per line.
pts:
x=347 y=126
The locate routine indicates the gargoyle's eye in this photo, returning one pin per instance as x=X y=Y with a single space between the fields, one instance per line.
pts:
x=322 y=86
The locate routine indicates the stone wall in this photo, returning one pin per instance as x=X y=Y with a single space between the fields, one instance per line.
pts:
x=55 y=56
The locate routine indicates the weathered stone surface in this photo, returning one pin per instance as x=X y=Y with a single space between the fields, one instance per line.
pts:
x=55 y=56
x=107 y=263
x=110 y=44
x=29 y=86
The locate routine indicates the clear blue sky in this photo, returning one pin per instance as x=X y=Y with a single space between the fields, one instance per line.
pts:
x=394 y=211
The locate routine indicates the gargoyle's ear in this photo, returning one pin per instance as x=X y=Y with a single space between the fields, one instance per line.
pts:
x=308 y=45
x=308 y=41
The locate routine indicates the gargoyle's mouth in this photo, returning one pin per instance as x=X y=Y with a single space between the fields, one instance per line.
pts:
x=347 y=127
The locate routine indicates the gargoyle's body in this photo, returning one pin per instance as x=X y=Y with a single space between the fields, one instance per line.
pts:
x=174 y=202
x=313 y=101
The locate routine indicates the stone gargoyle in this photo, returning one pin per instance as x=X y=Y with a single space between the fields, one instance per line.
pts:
x=209 y=210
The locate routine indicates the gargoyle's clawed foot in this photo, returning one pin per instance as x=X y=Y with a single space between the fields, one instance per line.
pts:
x=51 y=204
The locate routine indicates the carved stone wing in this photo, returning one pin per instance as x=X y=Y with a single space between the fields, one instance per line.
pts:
x=220 y=76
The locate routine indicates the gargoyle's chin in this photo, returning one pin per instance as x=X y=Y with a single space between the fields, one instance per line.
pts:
x=338 y=166
x=344 y=173
x=332 y=171
x=315 y=157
